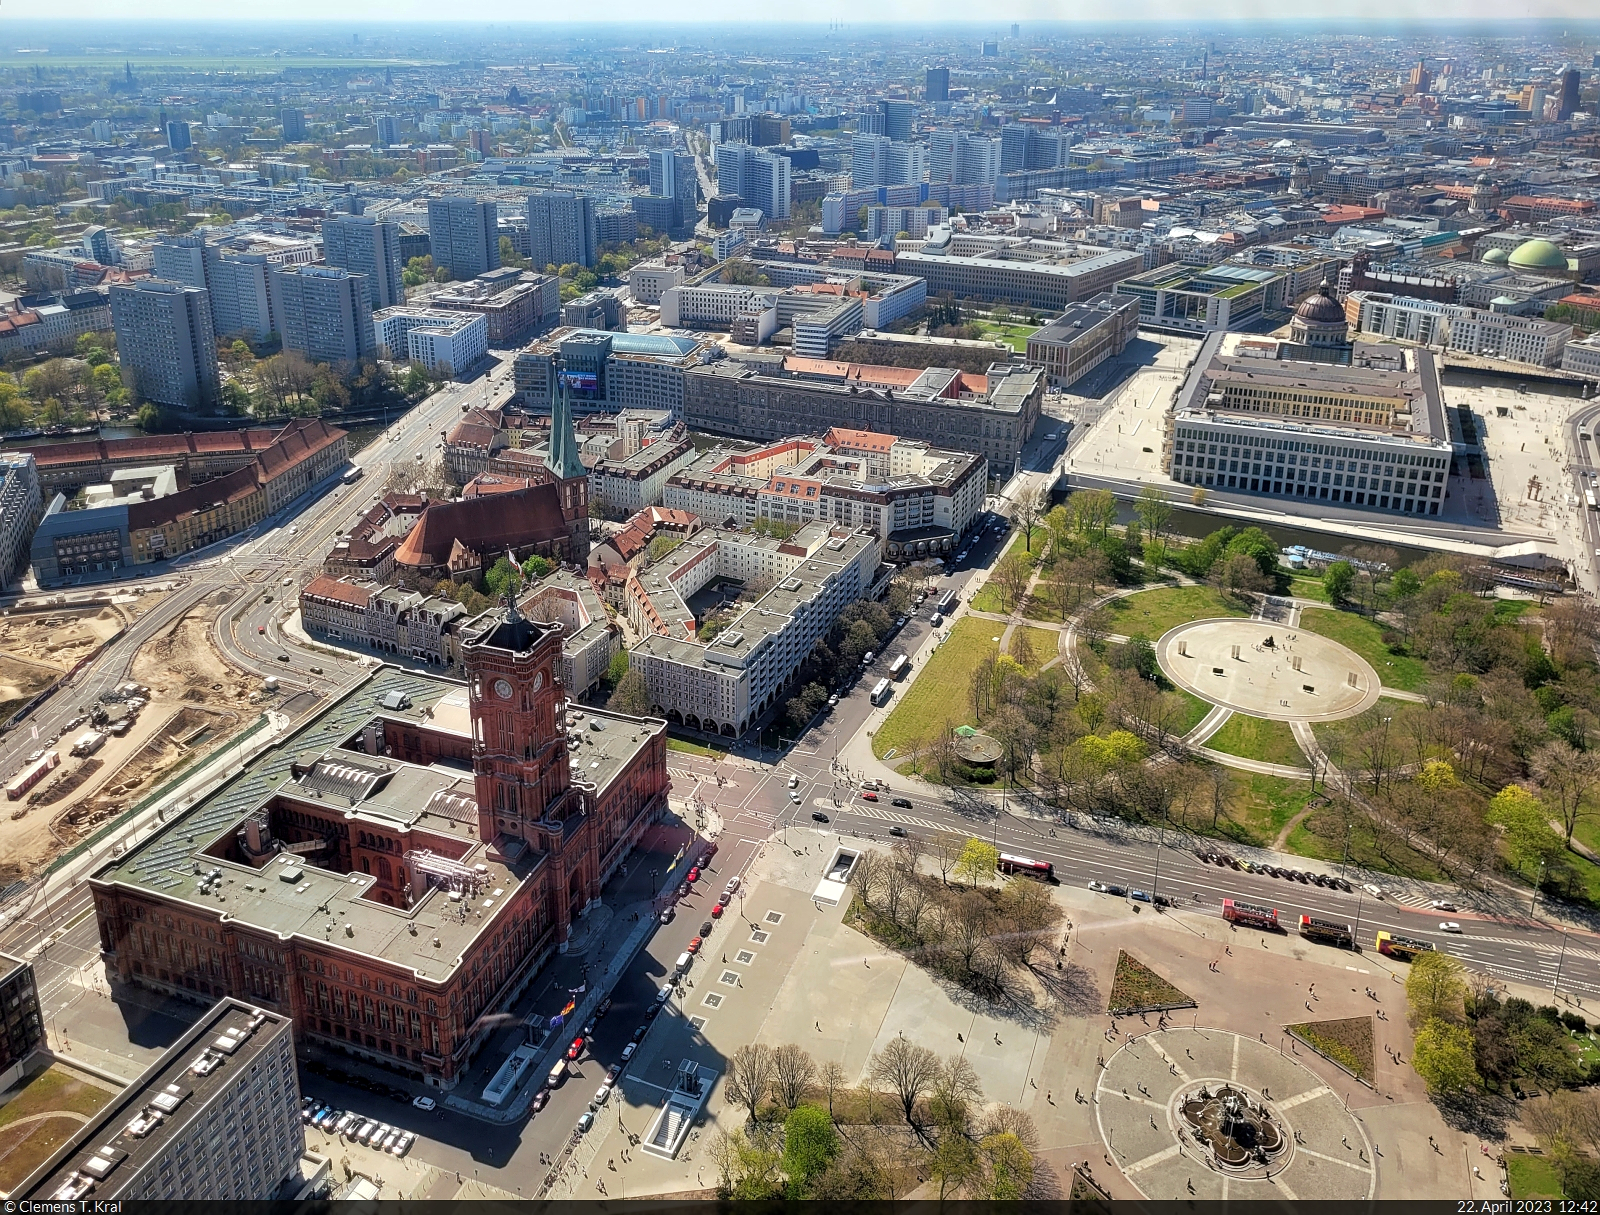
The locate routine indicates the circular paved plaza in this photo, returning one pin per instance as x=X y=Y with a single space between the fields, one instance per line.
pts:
x=1266 y=670
x=1147 y=1084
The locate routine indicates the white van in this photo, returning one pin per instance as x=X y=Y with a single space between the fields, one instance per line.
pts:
x=557 y=1073
x=683 y=962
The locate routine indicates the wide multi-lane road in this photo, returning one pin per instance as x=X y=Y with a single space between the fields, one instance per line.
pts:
x=251 y=566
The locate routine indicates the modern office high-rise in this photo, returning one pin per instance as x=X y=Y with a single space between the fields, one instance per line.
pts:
x=293 y=123
x=562 y=229
x=760 y=178
x=178 y=137
x=165 y=339
x=368 y=246
x=463 y=235
x=672 y=175
x=937 y=87
x=1568 y=103
x=327 y=314
x=899 y=118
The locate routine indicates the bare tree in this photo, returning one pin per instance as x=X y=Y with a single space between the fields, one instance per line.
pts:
x=945 y=849
x=833 y=1080
x=1566 y=777
x=750 y=1070
x=793 y=1070
x=868 y=875
x=908 y=1071
x=1030 y=508
x=955 y=1091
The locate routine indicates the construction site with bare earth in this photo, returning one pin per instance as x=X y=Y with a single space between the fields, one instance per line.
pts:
x=182 y=701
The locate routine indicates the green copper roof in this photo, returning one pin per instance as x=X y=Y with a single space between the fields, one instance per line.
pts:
x=563 y=458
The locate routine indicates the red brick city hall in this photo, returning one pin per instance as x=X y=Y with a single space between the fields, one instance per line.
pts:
x=399 y=868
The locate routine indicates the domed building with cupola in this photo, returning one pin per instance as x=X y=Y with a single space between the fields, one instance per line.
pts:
x=1319 y=332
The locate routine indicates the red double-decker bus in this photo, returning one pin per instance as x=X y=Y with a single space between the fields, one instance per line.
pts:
x=1250 y=914
x=1043 y=870
x=1329 y=932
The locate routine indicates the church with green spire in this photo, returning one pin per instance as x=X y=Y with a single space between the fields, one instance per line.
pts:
x=567 y=473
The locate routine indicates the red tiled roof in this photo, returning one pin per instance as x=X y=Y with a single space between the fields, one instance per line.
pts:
x=485 y=524
x=337 y=589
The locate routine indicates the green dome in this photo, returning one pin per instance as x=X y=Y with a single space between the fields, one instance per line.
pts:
x=1538 y=255
x=1496 y=257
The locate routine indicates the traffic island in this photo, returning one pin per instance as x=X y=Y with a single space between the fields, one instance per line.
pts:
x=1345 y=1042
x=1138 y=989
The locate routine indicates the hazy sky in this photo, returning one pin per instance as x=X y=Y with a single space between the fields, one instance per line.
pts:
x=912 y=13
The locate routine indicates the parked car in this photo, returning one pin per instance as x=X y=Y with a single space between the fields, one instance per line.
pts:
x=423 y=1103
x=1374 y=891
x=613 y=1072
x=1099 y=886
x=722 y=900
x=733 y=884
x=603 y=1008
x=666 y=915
x=389 y=1139
x=1139 y=896
x=403 y=1144
x=600 y=1096
x=705 y=929
x=627 y=1051
x=540 y=1099
x=638 y=1036
x=585 y=1121
x=575 y=1049
x=683 y=890
x=693 y=876
x=1442 y=905
x=694 y=945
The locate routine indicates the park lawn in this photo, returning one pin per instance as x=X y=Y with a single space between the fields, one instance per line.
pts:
x=693 y=748
x=1257 y=738
x=1046 y=645
x=1533 y=1176
x=940 y=691
x=1308 y=588
x=1041 y=605
x=1365 y=636
x=1197 y=710
x=1015 y=336
x=1154 y=612
x=1321 y=837
x=1256 y=806
x=1399 y=713
x=988 y=598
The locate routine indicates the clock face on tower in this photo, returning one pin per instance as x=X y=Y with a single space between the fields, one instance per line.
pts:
x=538 y=681
x=502 y=689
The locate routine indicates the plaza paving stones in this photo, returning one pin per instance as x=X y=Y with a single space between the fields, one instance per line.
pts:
x=1143 y=1083
x=1332 y=681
